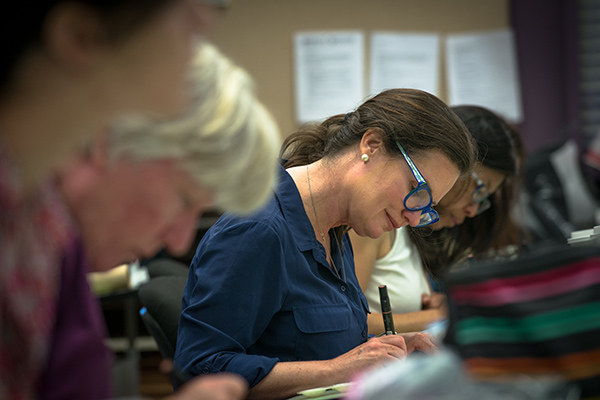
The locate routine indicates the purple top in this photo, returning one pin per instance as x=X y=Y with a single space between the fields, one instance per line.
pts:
x=35 y=228
x=79 y=364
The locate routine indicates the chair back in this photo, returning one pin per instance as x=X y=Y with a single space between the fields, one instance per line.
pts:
x=161 y=300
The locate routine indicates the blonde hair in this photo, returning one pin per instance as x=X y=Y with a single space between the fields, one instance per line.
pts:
x=227 y=141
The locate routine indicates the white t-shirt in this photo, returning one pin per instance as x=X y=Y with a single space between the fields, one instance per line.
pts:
x=401 y=270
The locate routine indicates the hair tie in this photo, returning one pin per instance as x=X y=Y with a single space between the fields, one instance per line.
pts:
x=347 y=116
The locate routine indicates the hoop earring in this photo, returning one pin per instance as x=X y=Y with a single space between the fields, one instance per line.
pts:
x=365 y=157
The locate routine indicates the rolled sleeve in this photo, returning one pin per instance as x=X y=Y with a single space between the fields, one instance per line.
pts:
x=226 y=307
x=261 y=290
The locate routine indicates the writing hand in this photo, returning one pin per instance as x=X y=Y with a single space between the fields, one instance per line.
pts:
x=375 y=352
x=222 y=386
x=420 y=341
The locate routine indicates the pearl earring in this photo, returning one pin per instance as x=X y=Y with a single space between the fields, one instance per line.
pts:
x=365 y=157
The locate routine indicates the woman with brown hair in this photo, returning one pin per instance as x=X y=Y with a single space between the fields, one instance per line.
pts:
x=274 y=297
x=474 y=219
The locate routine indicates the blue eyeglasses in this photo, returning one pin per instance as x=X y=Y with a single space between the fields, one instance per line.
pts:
x=419 y=199
x=480 y=195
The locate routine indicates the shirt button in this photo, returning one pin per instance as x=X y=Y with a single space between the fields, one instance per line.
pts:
x=206 y=370
x=364 y=333
x=343 y=288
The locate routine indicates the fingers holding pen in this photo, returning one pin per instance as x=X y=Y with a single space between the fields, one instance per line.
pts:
x=384 y=348
x=395 y=345
x=374 y=352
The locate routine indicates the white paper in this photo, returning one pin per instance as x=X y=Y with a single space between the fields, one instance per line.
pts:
x=482 y=70
x=404 y=60
x=329 y=74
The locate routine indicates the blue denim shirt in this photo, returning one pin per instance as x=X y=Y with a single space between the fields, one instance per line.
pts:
x=260 y=291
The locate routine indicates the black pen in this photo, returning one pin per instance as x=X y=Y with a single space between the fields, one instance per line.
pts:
x=386 y=311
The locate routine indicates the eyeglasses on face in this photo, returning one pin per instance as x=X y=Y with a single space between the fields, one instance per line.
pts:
x=419 y=198
x=480 y=195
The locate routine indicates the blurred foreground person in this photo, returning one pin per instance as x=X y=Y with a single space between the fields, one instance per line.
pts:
x=68 y=67
x=142 y=187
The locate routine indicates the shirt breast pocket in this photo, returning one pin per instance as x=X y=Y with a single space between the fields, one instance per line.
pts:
x=323 y=330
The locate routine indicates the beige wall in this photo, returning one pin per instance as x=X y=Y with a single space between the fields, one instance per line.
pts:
x=258 y=34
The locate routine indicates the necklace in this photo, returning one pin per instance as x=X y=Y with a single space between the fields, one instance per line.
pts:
x=312 y=200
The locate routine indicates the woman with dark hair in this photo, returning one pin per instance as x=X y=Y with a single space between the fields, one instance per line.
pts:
x=474 y=220
x=274 y=297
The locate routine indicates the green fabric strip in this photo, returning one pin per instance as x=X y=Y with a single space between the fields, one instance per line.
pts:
x=544 y=326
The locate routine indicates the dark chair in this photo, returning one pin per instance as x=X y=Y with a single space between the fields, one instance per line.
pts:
x=161 y=301
x=166 y=267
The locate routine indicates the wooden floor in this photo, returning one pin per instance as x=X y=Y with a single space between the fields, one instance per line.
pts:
x=153 y=384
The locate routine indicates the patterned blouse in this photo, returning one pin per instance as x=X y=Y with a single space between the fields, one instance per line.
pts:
x=34 y=230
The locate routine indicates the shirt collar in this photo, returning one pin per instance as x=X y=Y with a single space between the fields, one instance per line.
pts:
x=293 y=212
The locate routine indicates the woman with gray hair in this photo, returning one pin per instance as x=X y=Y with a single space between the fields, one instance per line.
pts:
x=142 y=186
x=68 y=67
x=221 y=153
x=222 y=141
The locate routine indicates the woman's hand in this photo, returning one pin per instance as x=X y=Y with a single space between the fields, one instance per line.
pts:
x=434 y=301
x=213 y=387
x=375 y=352
x=287 y=378
x=420 y=341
